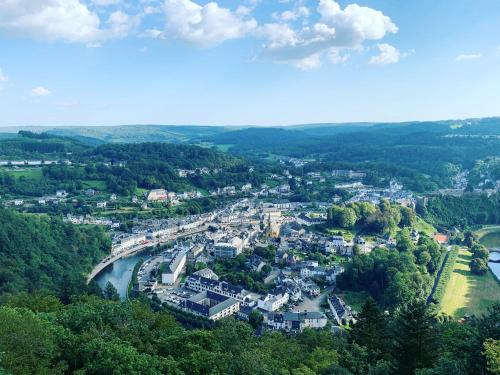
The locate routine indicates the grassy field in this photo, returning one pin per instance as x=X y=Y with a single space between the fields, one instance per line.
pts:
x=30 y=173
x=354 y=299
x=467 y=293
x=424 y=227
x=95 y=184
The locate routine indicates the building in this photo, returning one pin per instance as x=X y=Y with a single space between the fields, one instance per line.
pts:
x=341 y=313
x=274 y=300
x=201 y=284
x=255 y=263
x=212 y=305
x=172 y=269
x=157 y=195
x=230 y=249
x=101 y=204
x=207 y=273
x=297 y=321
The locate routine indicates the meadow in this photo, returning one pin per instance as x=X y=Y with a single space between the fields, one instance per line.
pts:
x=467 y=293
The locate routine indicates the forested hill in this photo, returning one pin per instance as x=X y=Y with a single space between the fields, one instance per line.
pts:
x=28 y=145
x=42 y=253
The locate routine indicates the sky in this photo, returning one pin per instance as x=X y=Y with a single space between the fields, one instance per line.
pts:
x=247 y=62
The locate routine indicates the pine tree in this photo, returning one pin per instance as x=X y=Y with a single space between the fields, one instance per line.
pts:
x=371 y=330
x=415 y=338
x=110 y=292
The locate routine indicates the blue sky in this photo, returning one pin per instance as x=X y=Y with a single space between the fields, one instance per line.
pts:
x=249 y=62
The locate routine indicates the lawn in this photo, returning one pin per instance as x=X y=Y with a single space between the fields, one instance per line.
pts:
x=425 y=227
x=354 y=299
x=95 y=184
x=30 y=173
x=467 y=293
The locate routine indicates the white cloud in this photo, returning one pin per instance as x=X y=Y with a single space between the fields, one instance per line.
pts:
x=3 y=77
x=292 y=15
x=387 y=55
x=308 y=63
x=105 y=3
x=337 y=30
x=68 y=20
x=472 y=56
x=39 y=91
x=207 y=25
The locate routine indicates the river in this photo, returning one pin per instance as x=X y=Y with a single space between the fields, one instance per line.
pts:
x=495 y=267
x=119 y=274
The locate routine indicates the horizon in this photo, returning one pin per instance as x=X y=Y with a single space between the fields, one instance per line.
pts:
x=243 y=126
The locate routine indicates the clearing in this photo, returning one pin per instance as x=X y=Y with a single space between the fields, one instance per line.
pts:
x=467 y=293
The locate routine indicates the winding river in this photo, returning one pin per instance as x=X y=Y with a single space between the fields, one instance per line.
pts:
x=120 y=274
x=495 y=266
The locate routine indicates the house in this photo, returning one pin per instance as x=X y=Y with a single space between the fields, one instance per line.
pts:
x=113 y=197
x=274 y=300
x=211 y=305
x=297 y=321
x=230 y=249
x=101 y=204
x=341 y=313
x=207 y=273
x=61 y=193
x=193 y=253
x=172 y=269
x=255 y=263
x=246 y=188
x=415 y=236
x=244 y=313
x=18 y=202
x=157 y=195
x=311 y=271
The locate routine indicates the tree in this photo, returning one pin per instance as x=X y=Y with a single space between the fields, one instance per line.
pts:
x=371 y=330
x=492 y=354
x=415 y=338
x=255 y=319
x=478 y=266
x=110 y=292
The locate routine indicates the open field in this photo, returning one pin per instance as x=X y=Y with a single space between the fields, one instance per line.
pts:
x=30 y=173
x=95 y=184
x=354 y=299
x=467 y=293
x=424 y=227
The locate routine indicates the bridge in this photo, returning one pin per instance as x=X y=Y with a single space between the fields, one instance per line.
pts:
x=138 y=248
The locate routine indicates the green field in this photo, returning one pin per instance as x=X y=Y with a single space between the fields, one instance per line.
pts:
x=95 y=184
x=424 y=227
x=467 y=293
x=31 y=173
x=354 y=299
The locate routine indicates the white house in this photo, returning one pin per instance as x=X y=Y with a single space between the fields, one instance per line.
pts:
x=273 y=301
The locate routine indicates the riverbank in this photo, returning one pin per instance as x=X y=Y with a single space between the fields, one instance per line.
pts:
x=466 y=293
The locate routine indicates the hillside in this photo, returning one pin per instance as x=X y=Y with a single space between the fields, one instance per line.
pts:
x=42 y=253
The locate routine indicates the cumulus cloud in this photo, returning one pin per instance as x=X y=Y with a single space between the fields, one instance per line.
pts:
x=292 y=15
x=387 y=55
x=68 y=20
x=472 y=56
x=336 y=30
x=39 y=91
x=207 y=25
x=105 y=3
